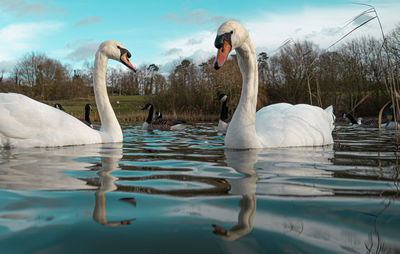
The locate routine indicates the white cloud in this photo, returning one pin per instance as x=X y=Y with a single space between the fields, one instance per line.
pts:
x=269 y=30
x=7 y=66
x=17 y=39
x=24 y=8
x=198 y=46
x=197 y=17
x=322 y=26
x=82 y=50
x=87 y=21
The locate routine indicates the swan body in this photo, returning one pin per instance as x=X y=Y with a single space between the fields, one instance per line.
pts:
x=25 y=122
x=286 y=125
x=278 y=125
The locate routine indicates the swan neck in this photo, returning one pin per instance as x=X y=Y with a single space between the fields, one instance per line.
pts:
x=248 y=67
x=241 y=133
x=109 y=122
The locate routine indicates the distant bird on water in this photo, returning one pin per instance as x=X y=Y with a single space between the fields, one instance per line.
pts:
x=59 y=106
x=223 y=118
x=161 y=123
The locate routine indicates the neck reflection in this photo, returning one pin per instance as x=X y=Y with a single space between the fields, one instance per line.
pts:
x=108 y=165
x=243 y=162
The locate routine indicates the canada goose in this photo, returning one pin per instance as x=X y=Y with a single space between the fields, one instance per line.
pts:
x=351 y=118
x=223 y=121
x=88 y=108
x=59 y=106
x=161 y=123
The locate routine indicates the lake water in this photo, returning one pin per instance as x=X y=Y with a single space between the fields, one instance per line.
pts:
x=182 y=192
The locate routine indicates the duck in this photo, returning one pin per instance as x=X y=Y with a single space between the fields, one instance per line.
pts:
x=25 y=122
x=223 y=121
x=276 y=125
x=161 y=123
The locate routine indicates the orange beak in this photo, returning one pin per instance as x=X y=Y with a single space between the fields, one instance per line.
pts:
x=125 y=60
x=222 y=55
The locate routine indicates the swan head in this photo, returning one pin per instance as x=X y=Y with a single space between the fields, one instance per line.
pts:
x=116 y=51
x=222 y=97
x=230 y=35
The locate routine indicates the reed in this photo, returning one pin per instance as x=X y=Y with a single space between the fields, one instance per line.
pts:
x=390 y=80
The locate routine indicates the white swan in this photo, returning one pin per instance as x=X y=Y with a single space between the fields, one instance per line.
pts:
x=278 y=125
x=25 y=122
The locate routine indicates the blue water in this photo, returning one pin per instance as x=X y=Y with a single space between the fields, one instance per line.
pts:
x=182 y=192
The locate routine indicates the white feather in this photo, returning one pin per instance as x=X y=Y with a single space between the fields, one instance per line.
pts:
x=286 y=125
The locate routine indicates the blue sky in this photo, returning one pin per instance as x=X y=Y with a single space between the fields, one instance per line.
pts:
x=165 y=32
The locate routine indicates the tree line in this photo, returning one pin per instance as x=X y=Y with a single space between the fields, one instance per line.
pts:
x=353 y=77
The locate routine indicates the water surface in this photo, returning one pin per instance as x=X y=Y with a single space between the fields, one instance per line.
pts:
x=182 y=192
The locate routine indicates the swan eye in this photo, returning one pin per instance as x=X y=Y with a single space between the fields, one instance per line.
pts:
x=231 y=32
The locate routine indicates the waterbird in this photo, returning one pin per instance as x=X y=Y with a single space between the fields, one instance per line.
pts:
x=88 y=108
x=277 y=125
x=161 y=123
x=59 y=106
x=25 y=122
x=223 y=121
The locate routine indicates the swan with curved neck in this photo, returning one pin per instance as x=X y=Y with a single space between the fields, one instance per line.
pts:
x=25 y=122
x=277 y=125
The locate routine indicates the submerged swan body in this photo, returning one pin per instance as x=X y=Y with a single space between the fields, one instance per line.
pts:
x=25 y=122
x=277 y=125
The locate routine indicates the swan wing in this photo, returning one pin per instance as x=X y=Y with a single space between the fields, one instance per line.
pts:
x=26 y=122
x=286 y=125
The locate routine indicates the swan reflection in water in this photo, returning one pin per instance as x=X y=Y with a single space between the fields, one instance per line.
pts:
x=108 y=165
x=273 y=162
x=243 y=162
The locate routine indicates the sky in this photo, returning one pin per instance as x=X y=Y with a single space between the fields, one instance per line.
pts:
x=164 y=32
